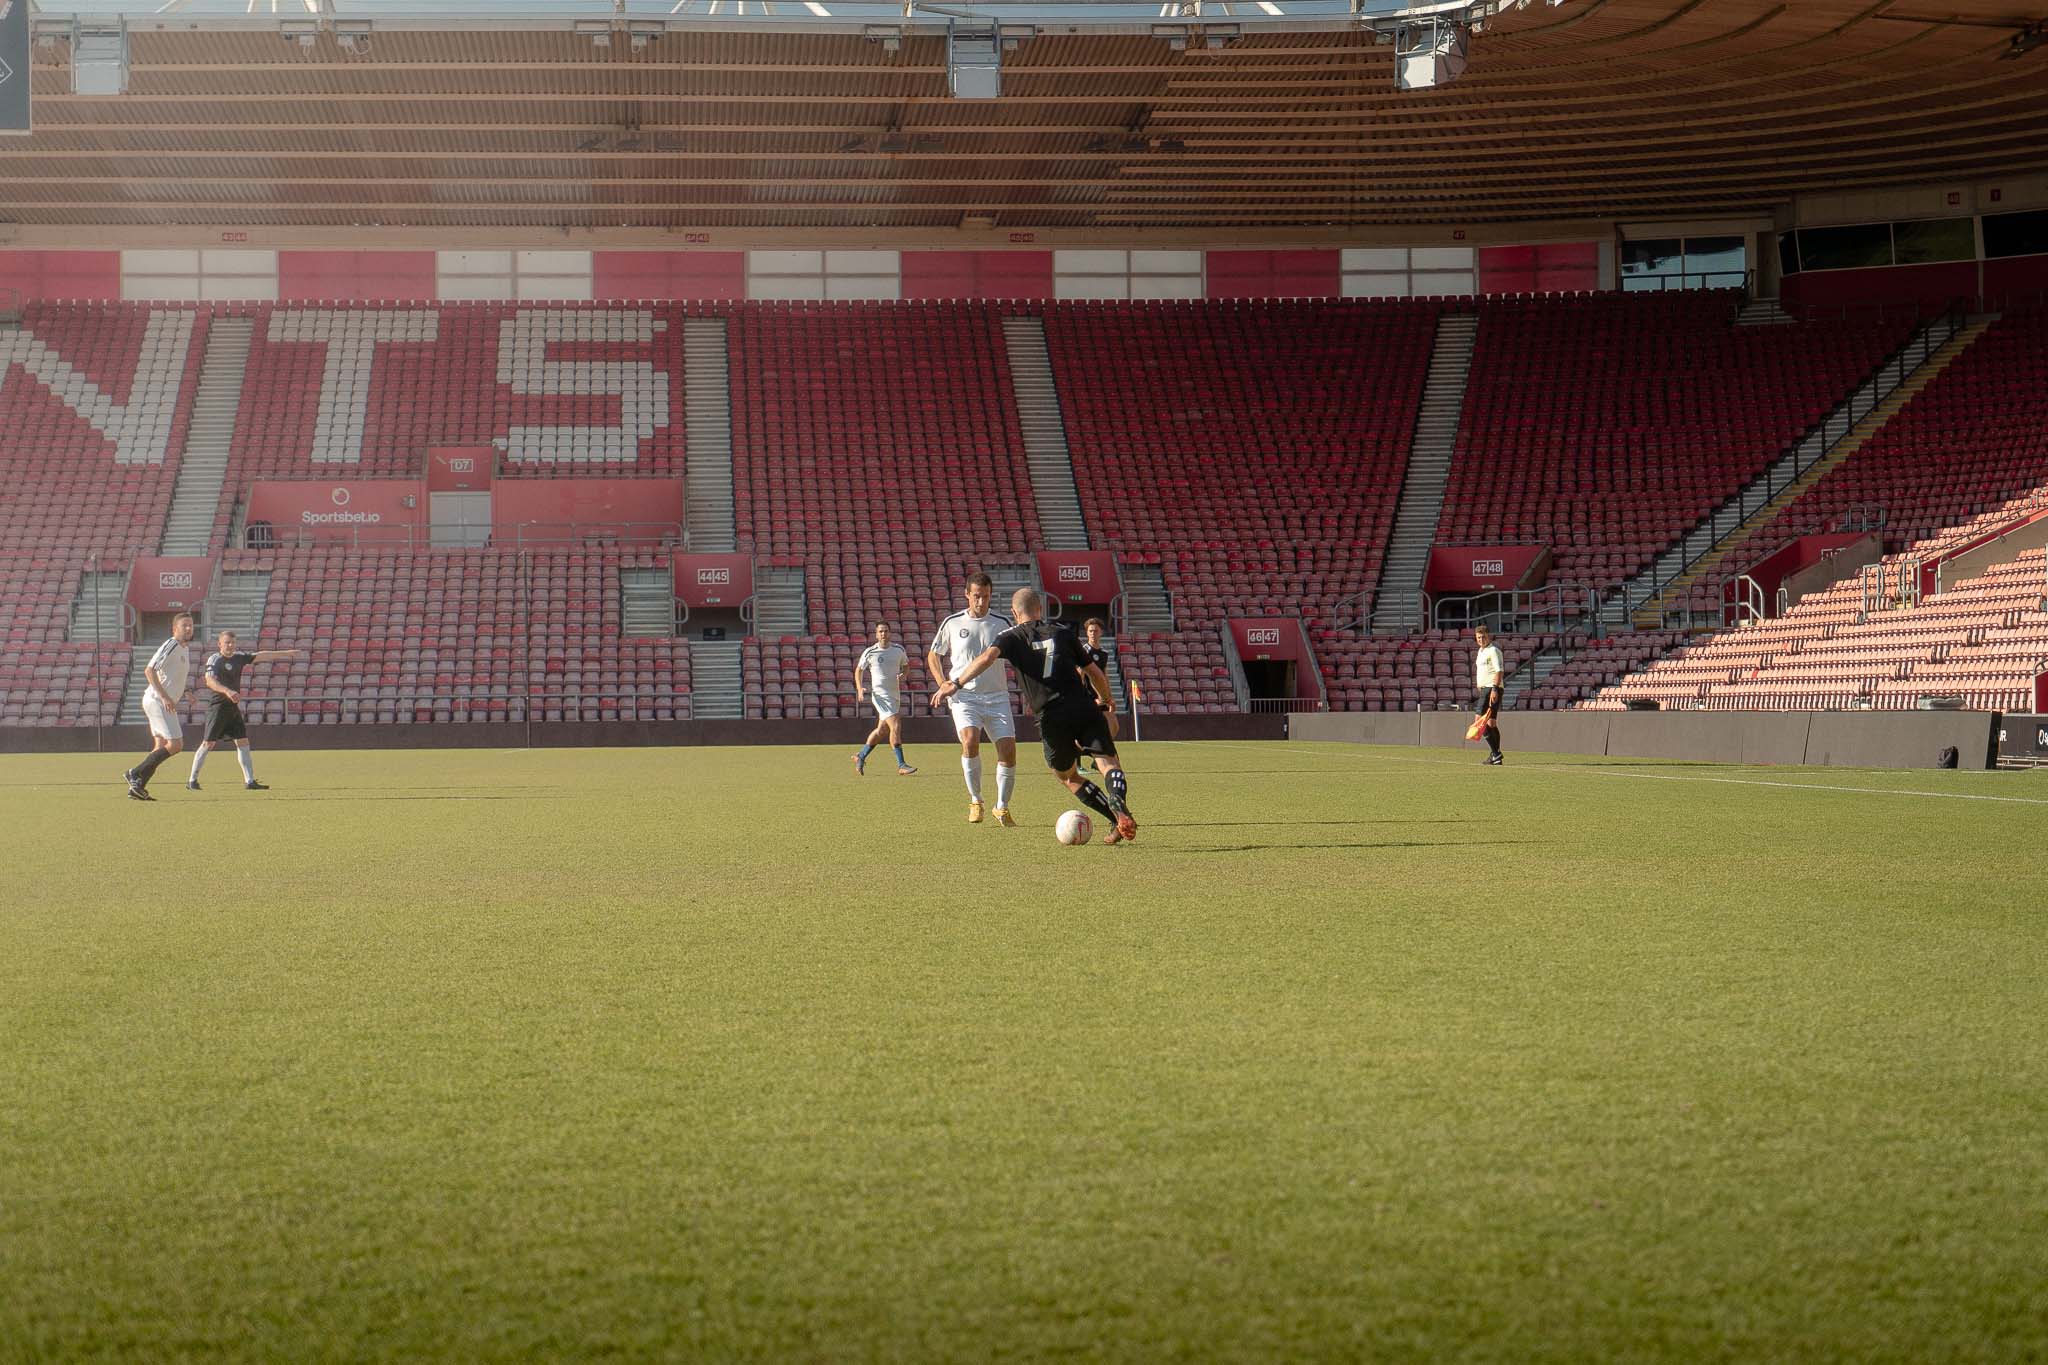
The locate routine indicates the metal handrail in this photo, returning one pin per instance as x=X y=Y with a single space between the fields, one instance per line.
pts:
x=1567 y=605
x=1239 y=684
x=1822 y=437
x=534 y=534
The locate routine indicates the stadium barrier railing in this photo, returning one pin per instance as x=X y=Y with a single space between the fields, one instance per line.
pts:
x=1808 y=450
x=261 y=535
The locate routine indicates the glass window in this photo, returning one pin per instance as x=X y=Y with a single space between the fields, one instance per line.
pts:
x=1788 y=253
x=1715 y=262
x=2016 y=234
x=1935 y=239
x=1846 y=248
x=1652 y=264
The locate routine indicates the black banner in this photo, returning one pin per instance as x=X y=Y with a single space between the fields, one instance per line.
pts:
x=13 y=66
x=2023 y=736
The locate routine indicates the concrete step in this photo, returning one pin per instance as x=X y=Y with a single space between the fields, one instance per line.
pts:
x=781 y=604
x=707 y=406
x=1430 y=451
x=717 y=680
x=1035 y=390
x=647 y=602
x=202 y=473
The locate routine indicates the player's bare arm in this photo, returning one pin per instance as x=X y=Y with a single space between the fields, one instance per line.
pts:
x=981 y=663
x=268 y=655
x=156 y=684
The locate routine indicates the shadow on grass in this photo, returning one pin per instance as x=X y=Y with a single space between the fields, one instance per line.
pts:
x=1297 y=824
x=1390 y=843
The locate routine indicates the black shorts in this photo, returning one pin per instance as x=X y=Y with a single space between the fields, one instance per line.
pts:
x=1070 y=729
x=1489 y=699
x=225 y=722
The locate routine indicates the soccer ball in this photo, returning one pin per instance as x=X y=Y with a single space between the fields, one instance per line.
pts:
x=1074 y=827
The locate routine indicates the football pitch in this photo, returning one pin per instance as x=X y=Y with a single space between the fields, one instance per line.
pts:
x=727 y=1054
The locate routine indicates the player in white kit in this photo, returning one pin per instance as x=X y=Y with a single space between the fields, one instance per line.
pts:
x=982 y=705
x=879 y=674
x=169 y=669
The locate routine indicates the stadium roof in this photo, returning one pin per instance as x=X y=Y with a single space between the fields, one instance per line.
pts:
x=837 y=115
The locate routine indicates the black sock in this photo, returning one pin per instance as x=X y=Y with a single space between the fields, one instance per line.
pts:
x=1092 y=797
x=1493 y=738
x=147 y=768
x=1119 y=790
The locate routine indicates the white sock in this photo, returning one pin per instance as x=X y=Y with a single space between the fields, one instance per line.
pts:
x=198 y=761
x=972 y=767
x=1006 y=782
x=248 y=764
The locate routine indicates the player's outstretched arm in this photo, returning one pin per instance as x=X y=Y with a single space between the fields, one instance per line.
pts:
x=981 y=663
x=264 y=656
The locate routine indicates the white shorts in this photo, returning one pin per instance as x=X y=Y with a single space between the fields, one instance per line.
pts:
x=886 y=705
x=163 y=722
x=973 y=711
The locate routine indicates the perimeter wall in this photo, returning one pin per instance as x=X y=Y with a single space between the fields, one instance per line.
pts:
x=1839 y=739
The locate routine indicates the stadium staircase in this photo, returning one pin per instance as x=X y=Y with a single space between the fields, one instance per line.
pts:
x=1642 y=599
x=238 y=602
x=707 y=404
x=1397 y=604
x=195 y=499
x=780 y=604
x=1147 y=608
x=1115 y=673
x=647 y=602
x=96 y=609
x=1762 y=313
x=715 y=673
x=1007 y=577
x=1741 y=540
x=1045 y=436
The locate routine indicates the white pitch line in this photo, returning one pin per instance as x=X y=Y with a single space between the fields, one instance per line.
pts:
x=1587 y=771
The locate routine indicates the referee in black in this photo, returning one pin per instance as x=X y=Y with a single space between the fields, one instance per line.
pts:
x=224 y=721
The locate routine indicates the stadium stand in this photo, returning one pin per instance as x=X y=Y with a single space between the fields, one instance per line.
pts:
x=877 y=445
x=395 y=635
x=72 y=487
x=1983 y=640
x=1607 y=425
x=1973 y=442
x=1256 y=449
x=1406 y=673
x=365 y=391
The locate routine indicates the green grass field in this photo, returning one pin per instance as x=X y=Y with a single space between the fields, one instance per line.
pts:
x=722 y=1053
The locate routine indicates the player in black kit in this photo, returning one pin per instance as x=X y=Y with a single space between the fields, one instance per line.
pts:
x=223 y=679
x=1070 y=696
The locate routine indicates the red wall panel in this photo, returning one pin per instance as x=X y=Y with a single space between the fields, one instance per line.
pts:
x=977 y=274
x=1548 y=268
x=2021 y=275
x=691 y=276
x=1924 y=284
x=1312 y=274
x=356 y=276
x=60 y=276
